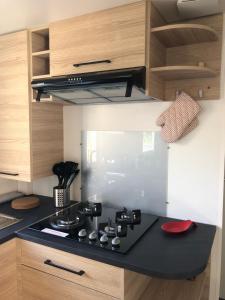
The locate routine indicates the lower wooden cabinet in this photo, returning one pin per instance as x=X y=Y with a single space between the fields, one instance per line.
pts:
x=197 y=289
x=8 y=271
x=46 y=273
x=31 y=271
x=37 y=285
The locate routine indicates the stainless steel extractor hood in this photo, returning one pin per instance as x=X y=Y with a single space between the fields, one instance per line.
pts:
x=117 y=86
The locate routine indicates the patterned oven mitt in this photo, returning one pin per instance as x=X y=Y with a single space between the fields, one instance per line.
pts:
x=179 y=119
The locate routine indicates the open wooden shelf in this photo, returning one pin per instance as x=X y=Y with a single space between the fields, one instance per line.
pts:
x=184 y=34
x=183 y=72
x=41 y=76
x=43 y=54
x=39 y=39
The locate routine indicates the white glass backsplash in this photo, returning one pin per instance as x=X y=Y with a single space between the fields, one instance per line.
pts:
x=125 y=168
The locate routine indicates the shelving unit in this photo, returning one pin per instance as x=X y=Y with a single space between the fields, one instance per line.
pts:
x=184 y=57
x=40 y=53
x=40 y=58
x=184 y=34
x=183 y=72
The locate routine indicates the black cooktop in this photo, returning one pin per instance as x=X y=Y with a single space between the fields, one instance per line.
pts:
x=97 y=225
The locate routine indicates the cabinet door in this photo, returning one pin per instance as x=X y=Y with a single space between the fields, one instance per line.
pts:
x=38 y=285
x=8 y=274
x=116 y=36
x=14 y=106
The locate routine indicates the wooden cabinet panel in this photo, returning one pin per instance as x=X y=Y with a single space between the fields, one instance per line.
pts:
x=162 y=289
x=38 y=285
x=47 y=137
x=8 y=274
x=98 y=276
x=14 y=105
x=31 y=134
x=116 y=34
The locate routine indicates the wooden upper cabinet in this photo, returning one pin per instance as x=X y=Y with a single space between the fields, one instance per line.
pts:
x=116 y=35
x=14 y=106
x=31 y=134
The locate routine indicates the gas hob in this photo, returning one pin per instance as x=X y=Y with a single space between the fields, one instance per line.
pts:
x=97 y=225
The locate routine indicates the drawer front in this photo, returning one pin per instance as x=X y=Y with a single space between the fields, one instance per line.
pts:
x=115 y=38
x=86 y=272
x=37 y=285
x=8 y=280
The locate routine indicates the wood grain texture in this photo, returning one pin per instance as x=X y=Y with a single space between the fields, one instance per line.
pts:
x=183 y=72
x=209 y=53
x=46 y=118
x=134 y=285
x=164 y=83
x=38 y=285
x=117 y=34
x=40 y=65
x=155 y=54
x=40 y=39
x=98 y=276
x=159 y=289
x=25 y=202
x=174 y=35
x=14 y=106
x=47 y=137
x=8 y=274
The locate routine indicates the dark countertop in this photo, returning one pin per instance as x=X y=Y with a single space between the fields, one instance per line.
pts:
x=156 y=254
x=28 y=216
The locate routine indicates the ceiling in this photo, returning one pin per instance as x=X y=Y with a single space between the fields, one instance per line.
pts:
x=20 y=14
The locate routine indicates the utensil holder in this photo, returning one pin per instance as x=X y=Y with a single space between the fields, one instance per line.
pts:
x=61 y=196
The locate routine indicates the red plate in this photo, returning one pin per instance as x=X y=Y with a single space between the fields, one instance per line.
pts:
x=177 y=227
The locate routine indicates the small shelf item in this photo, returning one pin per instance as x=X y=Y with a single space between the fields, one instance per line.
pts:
x=178 y=227
x=183 y=72
x=184 y=34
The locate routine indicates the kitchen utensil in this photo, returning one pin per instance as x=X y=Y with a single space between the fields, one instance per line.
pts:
x=177 y=227
x=25 y=202
x=59 y=169
x=70 y=168
x=61 y=196
x=71 y=178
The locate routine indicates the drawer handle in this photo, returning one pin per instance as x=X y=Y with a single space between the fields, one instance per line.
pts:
x=107 y=61
x=50 y=263
x=10 y=174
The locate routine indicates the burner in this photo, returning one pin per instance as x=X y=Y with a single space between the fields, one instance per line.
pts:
x=91 y=209
x=66 y=223
x=128 y=217
x=97 y=225
x=112 y=229
x=62 y=222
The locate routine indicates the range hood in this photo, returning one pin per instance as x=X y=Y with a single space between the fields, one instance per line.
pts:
x=118 y=86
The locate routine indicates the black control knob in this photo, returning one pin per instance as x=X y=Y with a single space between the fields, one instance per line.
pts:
x=82 y=233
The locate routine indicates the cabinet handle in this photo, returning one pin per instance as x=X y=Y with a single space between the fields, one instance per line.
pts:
x=50 y=263
x=107 y=61
x=10 y=174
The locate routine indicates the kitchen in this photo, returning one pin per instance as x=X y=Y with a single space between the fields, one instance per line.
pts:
x=194 y=181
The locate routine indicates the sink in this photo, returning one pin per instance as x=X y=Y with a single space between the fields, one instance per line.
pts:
x=6 y=221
